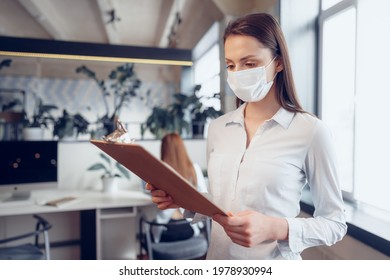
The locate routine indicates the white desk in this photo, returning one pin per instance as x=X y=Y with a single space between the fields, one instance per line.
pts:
x=86 y=200
x=98 y=211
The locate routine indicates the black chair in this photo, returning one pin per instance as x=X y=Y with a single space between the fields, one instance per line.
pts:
x=168 y=247
x=28 y=251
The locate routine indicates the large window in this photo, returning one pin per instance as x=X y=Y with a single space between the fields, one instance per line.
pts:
x=338 y=86
x=207 y=73
x=325 y=4
x=207 y=66
x=354 y=94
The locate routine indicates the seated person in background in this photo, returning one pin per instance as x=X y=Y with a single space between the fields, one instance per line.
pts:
x=174 y=153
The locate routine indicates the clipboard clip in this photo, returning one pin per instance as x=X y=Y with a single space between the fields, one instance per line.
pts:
x=120 y=135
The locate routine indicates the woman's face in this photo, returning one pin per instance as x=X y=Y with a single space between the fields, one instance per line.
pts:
x=245 y=52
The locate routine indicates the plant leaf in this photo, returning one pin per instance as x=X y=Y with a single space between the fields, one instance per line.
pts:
x=97 y=166
x=106 y=158
x=123 y=170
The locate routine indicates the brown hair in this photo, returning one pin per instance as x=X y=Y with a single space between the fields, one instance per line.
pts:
x=266 y=30
x=175 y=154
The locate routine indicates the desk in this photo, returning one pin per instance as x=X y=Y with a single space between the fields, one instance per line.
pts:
x=98 y=212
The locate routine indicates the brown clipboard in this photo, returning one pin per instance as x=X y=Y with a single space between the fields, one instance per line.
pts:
x=156 y=172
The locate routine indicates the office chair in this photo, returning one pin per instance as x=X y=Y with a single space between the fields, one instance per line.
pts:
x=28 y=251
x=194 y=247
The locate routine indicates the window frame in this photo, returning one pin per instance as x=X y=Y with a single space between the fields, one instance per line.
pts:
x=323 y=17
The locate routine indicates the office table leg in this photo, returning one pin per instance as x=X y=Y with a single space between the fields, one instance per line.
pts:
x=88 y=235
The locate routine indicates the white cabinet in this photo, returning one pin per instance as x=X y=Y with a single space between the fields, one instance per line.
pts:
x=116 y=230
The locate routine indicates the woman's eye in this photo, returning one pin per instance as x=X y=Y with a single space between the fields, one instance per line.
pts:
x=230 y=67
x=250 y=64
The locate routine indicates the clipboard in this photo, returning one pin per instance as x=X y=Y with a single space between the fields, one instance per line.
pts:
x=158 y=173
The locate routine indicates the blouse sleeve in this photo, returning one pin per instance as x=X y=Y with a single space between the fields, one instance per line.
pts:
x=328 y=224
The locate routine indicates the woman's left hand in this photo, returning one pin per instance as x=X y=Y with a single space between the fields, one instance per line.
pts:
x=249 y=228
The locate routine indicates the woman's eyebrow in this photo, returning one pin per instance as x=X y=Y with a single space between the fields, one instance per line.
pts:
x=243 y=58
x=247 y=57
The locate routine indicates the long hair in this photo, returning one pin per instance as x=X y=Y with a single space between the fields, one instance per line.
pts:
x=266 y=30
x=175 y=154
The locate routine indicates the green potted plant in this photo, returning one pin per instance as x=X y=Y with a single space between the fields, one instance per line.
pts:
x=201 y=113
x=158 y=122
x=11 y=110
x=110 y=172
x=117 y=90
x=169 y=119
x=69 y=126
x=34 y=126
x=186 y=110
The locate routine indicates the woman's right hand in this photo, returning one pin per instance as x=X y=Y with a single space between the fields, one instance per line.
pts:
x=161 y=198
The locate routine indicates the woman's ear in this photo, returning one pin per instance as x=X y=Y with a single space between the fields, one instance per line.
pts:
x=279 y=65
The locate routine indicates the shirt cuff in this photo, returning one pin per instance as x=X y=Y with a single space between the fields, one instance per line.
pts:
x=292 y=248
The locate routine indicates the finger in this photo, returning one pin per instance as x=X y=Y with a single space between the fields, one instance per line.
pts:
x=240 y=242
x=160 y=199
x=231 y=221
x=236 y=230
x=166 y=205
x=239 y=238
x=220 y=219
x=157 y=192
x=244 y=213
x=149 y=187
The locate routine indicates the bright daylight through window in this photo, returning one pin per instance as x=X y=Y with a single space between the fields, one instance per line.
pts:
x=354 y=95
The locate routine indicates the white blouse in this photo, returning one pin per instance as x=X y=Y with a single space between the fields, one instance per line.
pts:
x=287 y=152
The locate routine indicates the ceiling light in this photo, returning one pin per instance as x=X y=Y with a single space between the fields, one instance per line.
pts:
x=13 y=46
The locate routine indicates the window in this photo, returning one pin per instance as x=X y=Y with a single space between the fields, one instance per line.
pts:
x=338 y=86
x=207 y=74
x=354 y=95
x=325 y=4
x=207 y=66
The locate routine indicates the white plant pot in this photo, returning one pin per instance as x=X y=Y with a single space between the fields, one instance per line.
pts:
x=32 y=133
x=68 y=138
x=110 y=184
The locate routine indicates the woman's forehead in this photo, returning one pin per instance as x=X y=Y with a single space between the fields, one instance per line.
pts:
x=239 y=46
x=243 y=39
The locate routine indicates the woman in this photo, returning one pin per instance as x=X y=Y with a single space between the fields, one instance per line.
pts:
x=261 y=155
x=174 y=153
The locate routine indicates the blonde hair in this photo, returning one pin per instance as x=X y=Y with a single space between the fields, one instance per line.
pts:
x=175 y=154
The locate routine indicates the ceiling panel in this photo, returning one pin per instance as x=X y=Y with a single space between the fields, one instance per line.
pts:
x=70 y=20
x=138 y=21
x=135 y=22
x=16 y=21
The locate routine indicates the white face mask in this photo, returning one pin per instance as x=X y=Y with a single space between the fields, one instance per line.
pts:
x=250 y=85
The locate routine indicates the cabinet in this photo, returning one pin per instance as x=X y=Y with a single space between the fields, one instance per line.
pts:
x=111 y=233
x=116 y=230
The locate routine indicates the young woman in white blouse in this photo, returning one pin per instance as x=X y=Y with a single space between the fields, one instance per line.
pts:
x=261 y=155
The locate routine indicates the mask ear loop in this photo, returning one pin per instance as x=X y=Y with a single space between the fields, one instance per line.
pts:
x=269 y=65
x=271 y=61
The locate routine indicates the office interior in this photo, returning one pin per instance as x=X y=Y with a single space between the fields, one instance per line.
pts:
x=338 y=53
